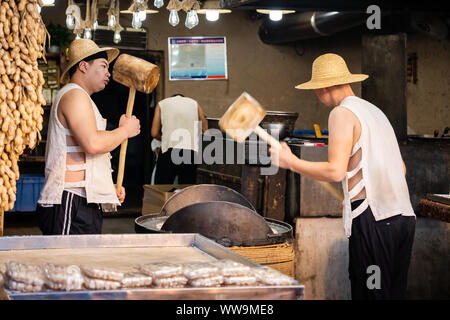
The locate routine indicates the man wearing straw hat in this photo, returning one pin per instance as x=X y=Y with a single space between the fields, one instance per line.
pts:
x=77 y=161
x=363 y=153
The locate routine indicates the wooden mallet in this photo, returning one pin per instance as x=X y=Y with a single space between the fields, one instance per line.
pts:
x=244 y=116
x=137 y=74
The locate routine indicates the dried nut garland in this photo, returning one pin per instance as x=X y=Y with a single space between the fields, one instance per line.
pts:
x=22 y=43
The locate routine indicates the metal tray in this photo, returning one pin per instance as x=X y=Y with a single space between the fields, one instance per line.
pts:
x=123 y=252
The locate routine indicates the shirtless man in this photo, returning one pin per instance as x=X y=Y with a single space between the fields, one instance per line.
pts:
x=363 y=153
x=78 y=170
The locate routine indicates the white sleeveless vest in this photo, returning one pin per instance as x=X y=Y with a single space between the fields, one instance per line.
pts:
x=382 y=167
x=179 y=123
x=98 y=182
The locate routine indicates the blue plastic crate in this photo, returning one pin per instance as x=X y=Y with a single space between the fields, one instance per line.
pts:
x=28 y=188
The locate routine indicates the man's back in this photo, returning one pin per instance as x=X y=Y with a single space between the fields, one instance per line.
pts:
x=381 y=161
x=179 y=123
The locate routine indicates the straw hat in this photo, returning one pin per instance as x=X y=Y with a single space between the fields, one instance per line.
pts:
x=83 y=48
x=330 y=70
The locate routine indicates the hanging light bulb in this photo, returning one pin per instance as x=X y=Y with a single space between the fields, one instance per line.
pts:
x=70 y=22
x=117 y=38
x=191 y=19
x=95 y=25
x=158 y=3
x=142 y=15
x=194 y=17
x=173 y=18
x=136 y=22
x=188 y=22
x=112 y=21
x=87 y=33
x=212 y=15
x=275 y=15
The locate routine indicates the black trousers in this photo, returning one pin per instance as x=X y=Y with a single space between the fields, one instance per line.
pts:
x=166 y=170
x=73 y=216
x=380 y=249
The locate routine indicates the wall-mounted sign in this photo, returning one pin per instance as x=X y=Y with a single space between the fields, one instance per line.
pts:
x=197 y=58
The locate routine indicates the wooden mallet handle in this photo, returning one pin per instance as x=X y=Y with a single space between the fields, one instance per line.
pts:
x=267 y=137
x=123 y=146
x=276 y=144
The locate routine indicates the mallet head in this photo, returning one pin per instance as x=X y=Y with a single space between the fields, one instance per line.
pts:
x=242 y=117
x=136 y=72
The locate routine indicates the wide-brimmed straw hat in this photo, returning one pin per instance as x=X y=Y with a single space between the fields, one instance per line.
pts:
x=83 y=48
x=330 y=70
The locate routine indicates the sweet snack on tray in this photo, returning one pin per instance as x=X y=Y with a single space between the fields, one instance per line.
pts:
x=23 y=287
x=214 y=281
x=161 y=269
x=272 y=277
x=33 y=278
x=24 y=277
x=26 y=273
x=240 y=280
x=170 y=282
x=100 y=284
x=197 y=270
x=66 y=278
x=136 y=280
x=103 y=273
x=229 y=268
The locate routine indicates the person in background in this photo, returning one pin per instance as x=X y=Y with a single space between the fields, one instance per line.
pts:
x=77 y=161
x=176 y=124
x=363 y=153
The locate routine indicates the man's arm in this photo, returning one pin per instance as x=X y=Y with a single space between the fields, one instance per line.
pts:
x=76 y=112
x=201 y=116
x=156 y=124
x=340 y=127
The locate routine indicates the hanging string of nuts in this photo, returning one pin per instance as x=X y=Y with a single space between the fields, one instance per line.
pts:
x=174 y=5
x=111 y=10
x=116 y=13
x=188 y=5
x=138 y=6
x=22 y=42
x=74 y=10
x=94 y=13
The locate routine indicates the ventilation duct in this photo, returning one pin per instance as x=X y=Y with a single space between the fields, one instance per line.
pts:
x=307 y=25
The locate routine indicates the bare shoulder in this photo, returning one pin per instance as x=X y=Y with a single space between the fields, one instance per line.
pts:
x=75 y=107
x=341 y=113
x=75 y=99
x=341 y=110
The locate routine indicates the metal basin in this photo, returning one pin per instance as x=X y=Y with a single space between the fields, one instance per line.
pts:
x=286 y=118
x=281 y=231
x=203 y=193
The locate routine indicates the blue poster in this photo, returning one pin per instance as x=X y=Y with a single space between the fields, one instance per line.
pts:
x=197 y=58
